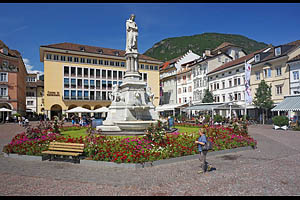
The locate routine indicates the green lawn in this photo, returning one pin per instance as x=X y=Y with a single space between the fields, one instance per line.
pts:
x=82 y=132
x=182 y=129
x=75 y=133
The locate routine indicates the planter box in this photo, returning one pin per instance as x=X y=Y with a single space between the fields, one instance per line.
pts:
x=280 y=127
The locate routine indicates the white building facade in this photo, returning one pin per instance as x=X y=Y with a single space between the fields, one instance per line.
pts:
x=294 y=65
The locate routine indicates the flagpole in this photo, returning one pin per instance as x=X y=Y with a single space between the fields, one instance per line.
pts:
x=245 y=93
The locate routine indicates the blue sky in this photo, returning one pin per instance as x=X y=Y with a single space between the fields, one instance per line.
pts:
x=27 y=26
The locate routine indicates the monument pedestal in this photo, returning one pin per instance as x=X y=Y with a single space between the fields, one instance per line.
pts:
x=131 y=110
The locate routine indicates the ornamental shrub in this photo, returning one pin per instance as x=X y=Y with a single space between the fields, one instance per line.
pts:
x=280 y=120
x=218 y=118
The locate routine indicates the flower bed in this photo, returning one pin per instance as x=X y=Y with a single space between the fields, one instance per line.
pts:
x=155 y=145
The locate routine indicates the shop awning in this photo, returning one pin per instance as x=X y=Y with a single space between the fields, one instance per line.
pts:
x=290 y=103
x=169 y=107
x=214 y=106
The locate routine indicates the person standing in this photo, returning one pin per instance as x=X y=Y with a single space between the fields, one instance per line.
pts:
x=202 y=153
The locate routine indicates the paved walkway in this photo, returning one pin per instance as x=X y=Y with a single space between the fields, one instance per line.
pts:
x=271 y=169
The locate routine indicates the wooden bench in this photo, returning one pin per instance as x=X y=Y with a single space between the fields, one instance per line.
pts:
x=64 y=149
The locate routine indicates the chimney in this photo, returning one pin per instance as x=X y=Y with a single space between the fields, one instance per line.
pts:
x=207 y=52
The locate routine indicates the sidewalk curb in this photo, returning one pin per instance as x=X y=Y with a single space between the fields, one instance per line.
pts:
x=135 y=165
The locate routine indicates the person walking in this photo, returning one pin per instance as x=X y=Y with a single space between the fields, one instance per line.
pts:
x=202 y=153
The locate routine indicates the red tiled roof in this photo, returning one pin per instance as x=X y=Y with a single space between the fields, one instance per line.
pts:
x=93 y=49
x=166 y=64
x=237 y=61
x=223 y=45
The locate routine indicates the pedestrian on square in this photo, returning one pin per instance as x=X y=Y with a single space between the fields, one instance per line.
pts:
x=202 y=153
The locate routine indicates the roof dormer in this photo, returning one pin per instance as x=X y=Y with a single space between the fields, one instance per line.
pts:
x=257 y=57
x=277 y=51
x=82 y=49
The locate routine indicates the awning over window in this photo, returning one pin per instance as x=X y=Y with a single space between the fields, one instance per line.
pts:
x=290 y=103
x=214 y=106
x=169 y=107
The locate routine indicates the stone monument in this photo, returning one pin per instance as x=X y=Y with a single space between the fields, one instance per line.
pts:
x=132 y=109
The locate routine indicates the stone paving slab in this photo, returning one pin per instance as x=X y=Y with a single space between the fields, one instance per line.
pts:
x=272 y=170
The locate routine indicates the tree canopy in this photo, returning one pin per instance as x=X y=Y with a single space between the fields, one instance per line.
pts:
x=263 y=96
x=208 y=97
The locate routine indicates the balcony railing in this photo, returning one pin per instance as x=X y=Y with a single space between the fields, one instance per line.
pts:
x=6 y=97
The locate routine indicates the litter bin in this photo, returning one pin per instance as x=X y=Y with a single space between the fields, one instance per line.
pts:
x=96 y=122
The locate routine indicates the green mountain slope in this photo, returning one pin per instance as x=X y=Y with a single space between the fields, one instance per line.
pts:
x=170 y=48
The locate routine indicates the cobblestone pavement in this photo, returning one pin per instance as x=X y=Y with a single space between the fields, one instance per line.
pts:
x=271 y=169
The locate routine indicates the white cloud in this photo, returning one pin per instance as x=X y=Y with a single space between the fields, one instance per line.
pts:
x=30 y=67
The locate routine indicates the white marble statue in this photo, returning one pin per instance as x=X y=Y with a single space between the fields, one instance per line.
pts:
x=131 y=35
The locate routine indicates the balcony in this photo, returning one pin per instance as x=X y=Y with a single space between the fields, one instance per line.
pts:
x=4 y=97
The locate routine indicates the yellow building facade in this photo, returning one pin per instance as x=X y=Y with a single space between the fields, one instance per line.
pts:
x=271 y=66
x=81 y=75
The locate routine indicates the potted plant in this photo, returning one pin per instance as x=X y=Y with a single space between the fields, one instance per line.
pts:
x=280 y=122
x=218 y=119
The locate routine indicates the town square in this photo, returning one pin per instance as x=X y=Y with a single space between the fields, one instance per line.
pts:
x=135 y=104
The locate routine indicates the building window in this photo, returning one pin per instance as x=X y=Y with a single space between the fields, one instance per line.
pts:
x=278 y=89
x=100 y=62
x=267 y=73
x=145 y=77
x=257 y=57
x=79 y=71
x=184 y=90
x=120 y=75
x=122 y=64
x=105 y=62
x=117 y=63
x=223 y=84
x=97 y=73
x=112 y=63
x=155 y=67
x=236 y=55
x=73 y=83
x=63 y=58
x=3 y=91
x=230 y=83
x=179 y=100
x=49 y=56
x=278 y=71
x=223 y=97
x=79 y=94
x=55 y=57
x=66 y=82
x=82 y=60
x=73 y=71
x=88 y=60
x=70 y=59
x=86 y=72
x=237 y=70
x=95 y=61
x=190 y=89
x=92 y=72
x=296 y=75
x=79 y=83
x=66 y=93
x=239 y=81
x=76 y=59
x=257 y=75
x=278 y=51
x=30 y=103
x=151 y=67
x=3 y=77
x=146 y=66
x=103 y=73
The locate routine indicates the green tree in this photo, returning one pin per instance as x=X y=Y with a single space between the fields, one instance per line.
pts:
x=263 y=98
x=208 y=97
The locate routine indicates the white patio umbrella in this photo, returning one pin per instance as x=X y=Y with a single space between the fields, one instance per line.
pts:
x=78 y=110
x=102 y=109
x=5 y=110
x=2 y=110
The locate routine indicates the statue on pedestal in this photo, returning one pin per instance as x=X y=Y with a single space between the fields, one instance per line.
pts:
x=131 y=35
